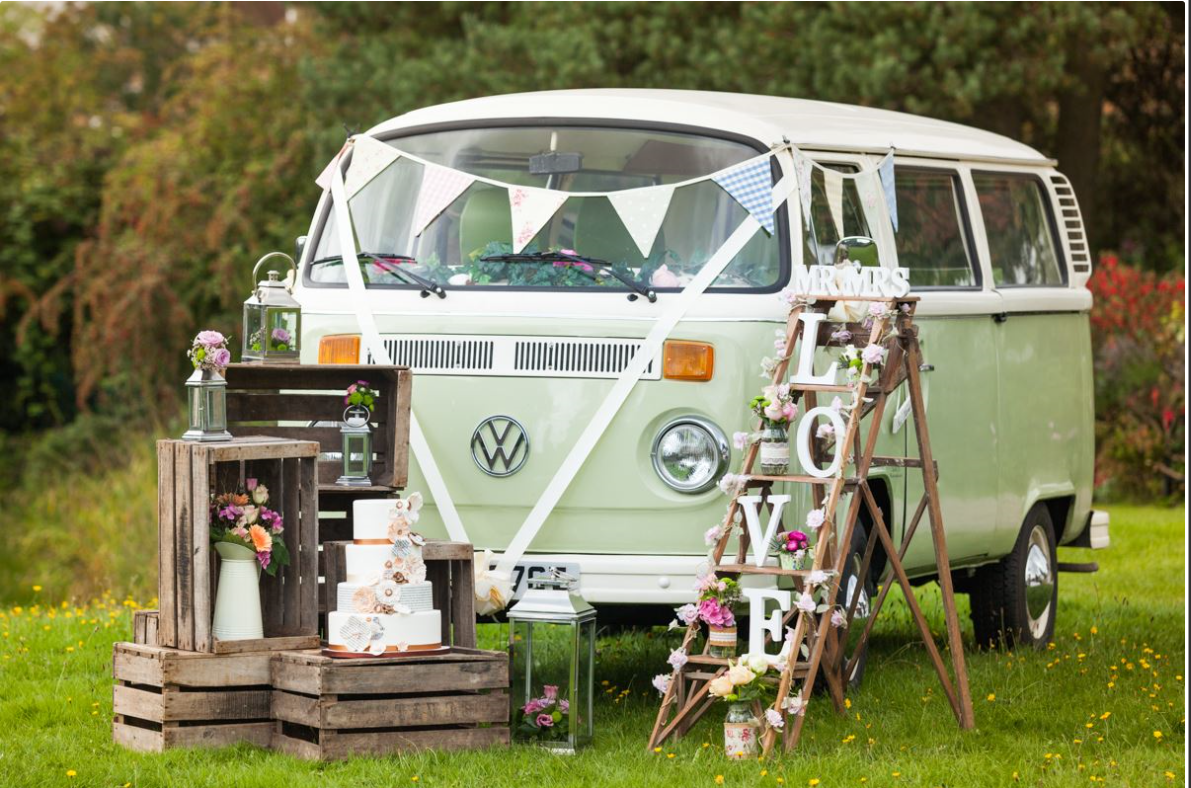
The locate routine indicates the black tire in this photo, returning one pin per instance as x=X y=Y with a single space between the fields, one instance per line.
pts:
x=847 y=585
x=1014 y=601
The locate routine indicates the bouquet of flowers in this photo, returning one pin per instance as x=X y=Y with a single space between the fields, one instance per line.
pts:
x=280 y=339
x=793 y=549
x=209 y=352
x=545 y=717
x=360 y=393
x=243 y=518
x=775 y=405
x=742 y=682
x=716 y=597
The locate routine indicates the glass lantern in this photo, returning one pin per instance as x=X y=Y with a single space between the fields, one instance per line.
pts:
x=357 y=447
x=272 y=318
x=206 y=406
x=552 y=663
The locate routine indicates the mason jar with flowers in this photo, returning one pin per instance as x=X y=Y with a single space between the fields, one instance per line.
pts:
x=775 y=406
x=793 y=549
x=247 y=535
x=716 y=597
x=744 y=688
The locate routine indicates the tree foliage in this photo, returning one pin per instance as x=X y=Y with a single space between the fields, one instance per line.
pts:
x=149 y=152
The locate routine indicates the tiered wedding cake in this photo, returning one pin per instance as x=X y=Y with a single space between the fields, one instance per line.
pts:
x=386 y=605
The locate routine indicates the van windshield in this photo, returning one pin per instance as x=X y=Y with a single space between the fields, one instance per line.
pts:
x=478 y=223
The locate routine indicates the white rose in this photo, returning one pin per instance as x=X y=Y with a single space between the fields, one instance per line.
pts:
x=758 y=663
x=260 y=496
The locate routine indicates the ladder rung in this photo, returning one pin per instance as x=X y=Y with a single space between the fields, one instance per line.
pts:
x=753 y=569
x=722 y=662
x=754 y=477
x=821 y=387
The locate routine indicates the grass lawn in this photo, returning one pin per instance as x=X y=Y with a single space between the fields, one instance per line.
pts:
x=1105 y=704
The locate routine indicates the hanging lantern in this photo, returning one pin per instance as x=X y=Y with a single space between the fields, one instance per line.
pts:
x=272 y=318
x=552 y=663
x=357 y=447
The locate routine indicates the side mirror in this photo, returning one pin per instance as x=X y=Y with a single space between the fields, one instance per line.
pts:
x=859 y=248
x=299 y=247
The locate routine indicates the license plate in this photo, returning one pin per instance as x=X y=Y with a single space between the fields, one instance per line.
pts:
x=524 y=570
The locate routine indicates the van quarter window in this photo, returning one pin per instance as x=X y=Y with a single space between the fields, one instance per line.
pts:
x=932 y=237
x=1020 y=231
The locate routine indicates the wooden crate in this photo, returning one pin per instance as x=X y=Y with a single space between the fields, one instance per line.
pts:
x=144 y=627
x=448 y=567
x=166 y=698
x=328 y=708
x=189 y=475
x=309 y=399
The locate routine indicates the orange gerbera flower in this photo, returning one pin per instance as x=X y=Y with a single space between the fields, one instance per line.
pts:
x=260 y=539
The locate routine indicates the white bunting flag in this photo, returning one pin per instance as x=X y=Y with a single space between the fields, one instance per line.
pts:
x=833 y=183
x=531 y=209
x=642 y=212
x=803 y=169
x=324 y=178
x=751 y=185
x=890 y=187
x=440 y=187
x=370 y=158
x=869 y=191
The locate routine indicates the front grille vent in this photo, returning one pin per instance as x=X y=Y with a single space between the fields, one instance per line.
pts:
x=515 y=356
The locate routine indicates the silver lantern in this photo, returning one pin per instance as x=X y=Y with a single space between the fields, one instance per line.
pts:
x=357 y=447
x=272 y=318
x=552 y=662
x=206 y=406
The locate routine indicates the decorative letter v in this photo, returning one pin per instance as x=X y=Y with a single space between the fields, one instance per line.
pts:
x=759 y=543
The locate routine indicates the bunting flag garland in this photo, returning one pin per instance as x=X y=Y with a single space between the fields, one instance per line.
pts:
x=803 y=170
x=869 y=193
x=531 y=209
x=440 y=187
x=833 y=183
x=751 y=185
x=370 y=158
x=888 y=183
x=642 y=212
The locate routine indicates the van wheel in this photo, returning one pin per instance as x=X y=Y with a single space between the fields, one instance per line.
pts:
x=851 y=584
x=1014 y=601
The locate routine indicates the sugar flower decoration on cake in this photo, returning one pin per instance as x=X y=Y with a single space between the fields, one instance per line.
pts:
x=364 y=599
x=412 y=568
x=398 y=529
x=407 y=508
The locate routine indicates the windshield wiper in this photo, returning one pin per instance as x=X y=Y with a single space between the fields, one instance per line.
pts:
x=579 y=260
x=394 y=264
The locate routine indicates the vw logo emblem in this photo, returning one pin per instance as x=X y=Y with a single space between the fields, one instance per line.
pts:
x=500 y=446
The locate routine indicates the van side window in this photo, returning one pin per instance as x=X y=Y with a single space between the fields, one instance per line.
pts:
x=1020 y=232
x=932 y=238
x=820 y=238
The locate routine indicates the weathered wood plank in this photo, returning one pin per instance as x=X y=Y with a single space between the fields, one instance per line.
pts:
x=139 y=703
x=136 y=738
x=183 y=547
x=295 y=676
x=299 y=748
x=342 y=745
x=300 y=709
x=306 y=481
x=144 y=627
x=200 y=565
x=426 y=677
x=256 y=733
x=166 y=576
x=413 y=712
x=296 y=642
x=399 y=419
x=442 y=550
x=247 y=449
x=271 y=405
x=463 y=604
x=218 y=705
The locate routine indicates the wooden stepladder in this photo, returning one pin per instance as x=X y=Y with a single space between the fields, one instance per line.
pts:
x=814 y=645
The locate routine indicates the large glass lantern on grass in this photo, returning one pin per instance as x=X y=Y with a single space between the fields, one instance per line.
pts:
x=552 y=662
x=272 y=318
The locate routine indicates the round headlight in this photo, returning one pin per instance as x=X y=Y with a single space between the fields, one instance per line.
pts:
x=690 y=454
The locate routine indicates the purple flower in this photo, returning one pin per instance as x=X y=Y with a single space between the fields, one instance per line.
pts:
x=545 y=721
x=272 y=519
x=220 y=358
x=264 y=559
x=280 y=335
x=209 y=339
x=564 y=706
x=230 y=512
x=534 y=706
x=678 y=658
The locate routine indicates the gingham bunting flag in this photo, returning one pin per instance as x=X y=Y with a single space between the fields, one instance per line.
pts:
x=440 y=187
x=642 y=212
x=889 y=185
x=751 y=185
x=370 y=158
x=531 y=209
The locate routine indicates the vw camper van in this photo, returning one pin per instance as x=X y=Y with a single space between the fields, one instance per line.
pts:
x=513 y=356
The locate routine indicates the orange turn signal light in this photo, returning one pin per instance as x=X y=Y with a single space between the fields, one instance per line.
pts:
x=683 y=360
x=339 y=349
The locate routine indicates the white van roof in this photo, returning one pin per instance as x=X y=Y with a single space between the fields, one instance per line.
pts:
x=816 y=125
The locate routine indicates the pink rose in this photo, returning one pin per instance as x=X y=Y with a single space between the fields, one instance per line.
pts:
x=663 y=277
x=220 y=357
x=209 y=339
x=550 y=691
x=545 y=721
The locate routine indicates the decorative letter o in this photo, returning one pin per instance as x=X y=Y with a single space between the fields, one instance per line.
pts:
x=802 y=441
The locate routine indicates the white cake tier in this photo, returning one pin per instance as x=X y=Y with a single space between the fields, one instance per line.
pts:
x=366 y=562
x=418 y=597
x=370 y=518
x=355 y=633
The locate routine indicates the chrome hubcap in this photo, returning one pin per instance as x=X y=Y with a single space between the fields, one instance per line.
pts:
x=1040 y=582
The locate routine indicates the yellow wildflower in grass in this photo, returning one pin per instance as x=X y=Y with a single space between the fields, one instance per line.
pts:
x=1106 y=715
x=1157 y=734
x=991 y=697
x=669 y=755
x=657 y=749
x=719 y=779
x=413 y=779
x=71 y=773
x=813 y=782
x=36 y=589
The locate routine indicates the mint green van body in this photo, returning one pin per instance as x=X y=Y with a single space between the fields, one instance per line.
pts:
x=989 y=230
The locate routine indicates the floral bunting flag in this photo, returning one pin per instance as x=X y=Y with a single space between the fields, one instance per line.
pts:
x=890 y=187
x=370 y=158
x=440 y=187
x=803 y=169
x=751 y=185
x=869 y=192
x=642 y=212
x=833 y=183
x=531 y=209
x=324 y=178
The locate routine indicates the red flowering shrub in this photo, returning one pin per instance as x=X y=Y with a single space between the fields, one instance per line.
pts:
x=1138 y=343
